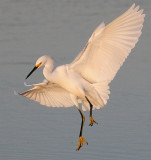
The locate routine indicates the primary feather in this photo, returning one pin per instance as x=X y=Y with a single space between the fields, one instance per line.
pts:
x=49 y=94
x=109 y=46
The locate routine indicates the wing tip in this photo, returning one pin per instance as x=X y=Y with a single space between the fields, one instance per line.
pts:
x=136 y=8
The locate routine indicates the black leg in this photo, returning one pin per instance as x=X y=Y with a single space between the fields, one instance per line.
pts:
x=91 y=118
x=81 y=139
x=82 y=123
x=91 y=107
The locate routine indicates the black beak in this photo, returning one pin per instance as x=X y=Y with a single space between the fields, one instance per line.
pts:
x=32 y=71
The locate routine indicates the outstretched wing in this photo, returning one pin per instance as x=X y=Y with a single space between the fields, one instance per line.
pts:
x=109 y=46
x=49 y=94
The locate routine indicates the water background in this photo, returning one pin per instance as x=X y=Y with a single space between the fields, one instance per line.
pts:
x=29 y=131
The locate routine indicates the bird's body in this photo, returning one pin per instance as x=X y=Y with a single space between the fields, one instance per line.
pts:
x=86 y=80
x=70 y=80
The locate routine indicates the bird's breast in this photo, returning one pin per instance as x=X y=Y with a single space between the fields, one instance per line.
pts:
x=70 y=80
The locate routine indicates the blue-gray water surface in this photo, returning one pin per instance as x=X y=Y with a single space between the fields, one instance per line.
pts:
x=28 y=130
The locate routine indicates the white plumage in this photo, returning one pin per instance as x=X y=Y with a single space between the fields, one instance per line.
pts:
x=94 y=68
x=49 y=94
x=109 y=46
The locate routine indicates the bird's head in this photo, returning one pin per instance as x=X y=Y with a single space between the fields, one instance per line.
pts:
x=40 y=62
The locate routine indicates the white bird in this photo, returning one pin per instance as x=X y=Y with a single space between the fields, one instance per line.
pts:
x=86 y=80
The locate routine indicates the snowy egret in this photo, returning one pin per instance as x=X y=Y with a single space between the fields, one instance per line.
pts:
x=86 y=80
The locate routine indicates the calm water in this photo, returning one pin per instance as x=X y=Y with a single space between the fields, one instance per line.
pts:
x=31 y=28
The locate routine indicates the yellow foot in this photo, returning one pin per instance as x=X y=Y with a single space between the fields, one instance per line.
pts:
x=92 y=121
x=81 y=140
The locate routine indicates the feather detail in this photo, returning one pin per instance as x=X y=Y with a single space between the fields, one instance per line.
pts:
x=49 y=94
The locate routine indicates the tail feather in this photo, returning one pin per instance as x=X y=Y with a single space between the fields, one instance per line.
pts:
x=103 y=90
x=97 y=95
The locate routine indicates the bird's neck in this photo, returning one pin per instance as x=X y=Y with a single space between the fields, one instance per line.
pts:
x=47 y=71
